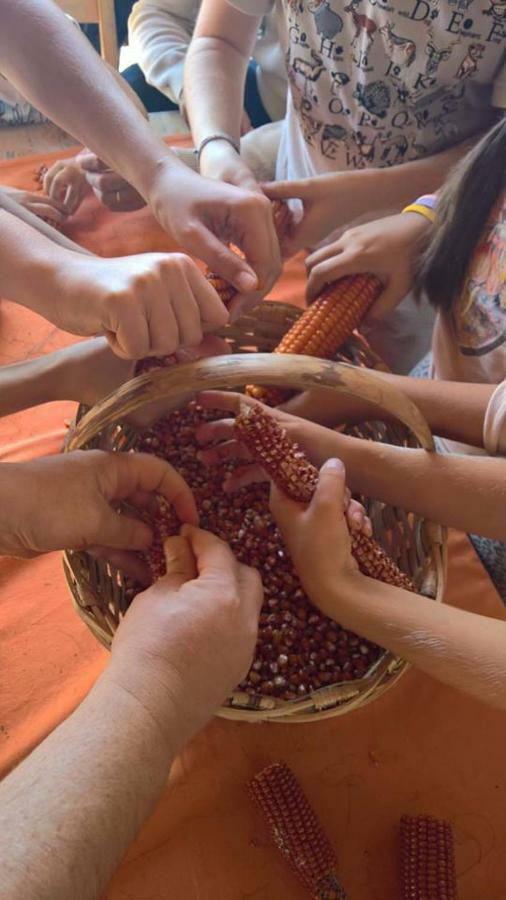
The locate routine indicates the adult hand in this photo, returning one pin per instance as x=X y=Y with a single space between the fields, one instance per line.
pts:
x=191 y=636
x=109 y=188
x=205 y=216
x=46 y=208
x=219 y=161
x=88 y=371
x=221 y=445
x=317 y=538
x=70 y=501
x=387 y=248
x=146 y=305
x=65 y=183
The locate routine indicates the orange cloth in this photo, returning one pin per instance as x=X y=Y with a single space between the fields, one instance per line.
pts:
x=421 y=748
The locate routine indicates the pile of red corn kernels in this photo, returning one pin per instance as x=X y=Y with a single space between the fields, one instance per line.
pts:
x=299 y=650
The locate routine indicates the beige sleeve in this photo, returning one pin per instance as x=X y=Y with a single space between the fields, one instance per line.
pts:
x=494 y=426
x=159 y=32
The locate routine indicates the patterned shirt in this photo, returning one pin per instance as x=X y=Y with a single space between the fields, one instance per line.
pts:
x=378 y=82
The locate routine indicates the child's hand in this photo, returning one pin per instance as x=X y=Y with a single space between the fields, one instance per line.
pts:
x=65 y=183
x=318 y=539
x=317 y=442
x=150 y=304
x=328 y=202
x=109 y=188
x=387 y=248
x=46 y=208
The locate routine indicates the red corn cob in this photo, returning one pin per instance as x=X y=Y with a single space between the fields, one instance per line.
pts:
x=325 y=325
x=427 y=859
x=289 y=468
x=296 y=831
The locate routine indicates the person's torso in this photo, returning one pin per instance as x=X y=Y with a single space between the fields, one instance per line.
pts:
x=378 y=83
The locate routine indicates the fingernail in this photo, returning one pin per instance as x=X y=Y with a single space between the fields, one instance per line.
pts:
x=333 y=464
x=247 y=282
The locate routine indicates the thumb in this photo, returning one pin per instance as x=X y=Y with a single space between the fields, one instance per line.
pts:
x=284 y=190
x=330 y=490
x=180 y=562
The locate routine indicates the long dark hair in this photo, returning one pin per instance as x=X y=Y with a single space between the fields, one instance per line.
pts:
x=465 y=204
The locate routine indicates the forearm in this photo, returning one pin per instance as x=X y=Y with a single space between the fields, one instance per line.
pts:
x=63 y=77
x=74 y=806
x=393 y=187
x=29 y=263
x=32 y=382
x=462 y=649
x=453 y=409
x=215 y=70
x=464 y=492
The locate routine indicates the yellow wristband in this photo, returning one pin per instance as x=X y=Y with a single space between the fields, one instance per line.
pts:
x=426 y=211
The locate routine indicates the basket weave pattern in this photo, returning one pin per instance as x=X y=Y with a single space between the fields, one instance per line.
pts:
x=101 y=595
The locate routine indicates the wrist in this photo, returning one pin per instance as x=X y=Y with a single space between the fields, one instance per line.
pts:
x=339 y=596
x=216 y=155
x=160 y=696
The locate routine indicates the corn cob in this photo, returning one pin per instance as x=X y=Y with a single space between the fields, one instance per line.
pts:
x=291 y=471
x=427 y=859
x=226 y=291
x=296 y=831
x=325 y=325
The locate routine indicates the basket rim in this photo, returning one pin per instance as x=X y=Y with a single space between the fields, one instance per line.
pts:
x=233 y=371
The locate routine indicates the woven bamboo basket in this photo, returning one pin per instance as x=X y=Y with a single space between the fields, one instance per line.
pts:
x=101 y=594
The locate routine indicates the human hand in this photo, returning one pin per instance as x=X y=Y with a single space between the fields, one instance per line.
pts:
x=70 y=501
x=324 y=208
x=221 y=445
x=387 y=248
x=89 y=371
x=146 y=305
x=204 y=216
x=188 y=641
x=219 y=161
x=65 y=183
x=46 y=208
x=318 y=539
x=109 y=188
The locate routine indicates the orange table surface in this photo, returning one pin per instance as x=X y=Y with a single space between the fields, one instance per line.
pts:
x=421 y=748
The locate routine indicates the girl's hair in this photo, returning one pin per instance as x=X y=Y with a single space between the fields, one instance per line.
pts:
x=465 y=204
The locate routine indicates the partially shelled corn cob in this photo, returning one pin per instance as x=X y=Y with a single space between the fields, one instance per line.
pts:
x=427 y=859
x=291 y=471
x=296 y=831
x=325 y=325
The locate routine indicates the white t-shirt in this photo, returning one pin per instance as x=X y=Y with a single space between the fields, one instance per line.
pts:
x=377 y=83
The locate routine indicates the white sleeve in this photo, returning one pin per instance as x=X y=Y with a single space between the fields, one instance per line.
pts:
x=499 y=89
x=159 y=31
x=494 y=426
x=253 y=7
